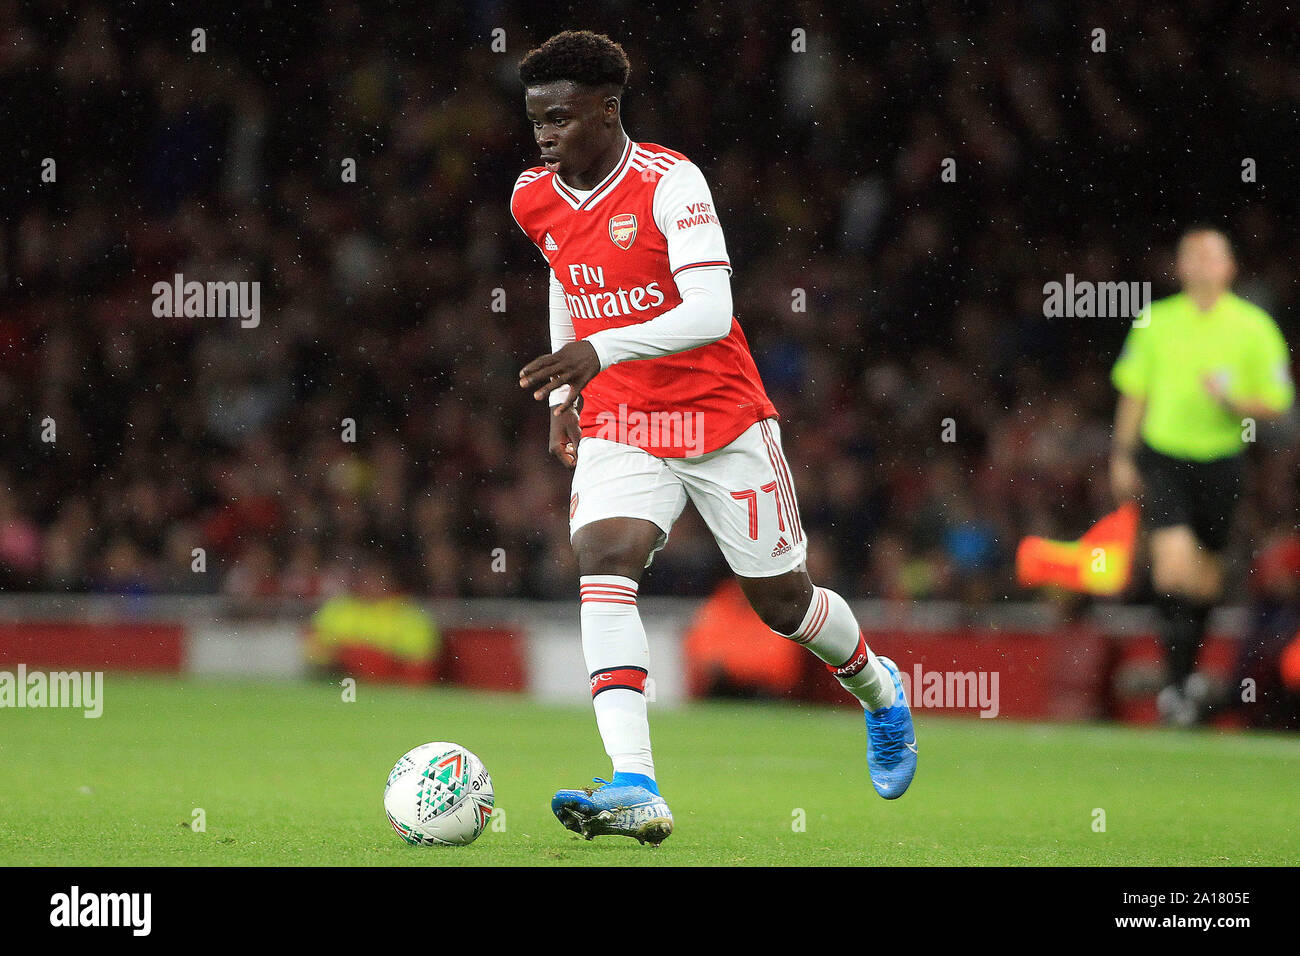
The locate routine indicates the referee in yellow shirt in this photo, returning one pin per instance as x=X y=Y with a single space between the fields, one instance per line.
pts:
x=1199 y=371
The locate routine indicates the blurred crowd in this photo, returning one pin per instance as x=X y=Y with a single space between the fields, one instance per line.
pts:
x=147 y=454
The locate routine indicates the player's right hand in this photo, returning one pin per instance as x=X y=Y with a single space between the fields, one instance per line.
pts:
x=564 y=437
x=1125 y=480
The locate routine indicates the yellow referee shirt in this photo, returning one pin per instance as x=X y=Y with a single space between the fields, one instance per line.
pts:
x=1166 y=360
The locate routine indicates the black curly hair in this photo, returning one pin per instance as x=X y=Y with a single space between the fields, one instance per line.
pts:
x=581 y=56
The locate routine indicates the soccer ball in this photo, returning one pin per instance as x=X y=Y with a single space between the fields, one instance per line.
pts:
x=439 y=794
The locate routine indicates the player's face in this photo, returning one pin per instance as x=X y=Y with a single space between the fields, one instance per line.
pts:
x=1205 y=261
x=571 y=126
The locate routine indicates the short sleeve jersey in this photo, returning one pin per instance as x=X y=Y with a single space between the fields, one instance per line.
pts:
x=1173 y=348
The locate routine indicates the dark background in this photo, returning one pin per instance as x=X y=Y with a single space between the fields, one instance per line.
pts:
x=924 y=298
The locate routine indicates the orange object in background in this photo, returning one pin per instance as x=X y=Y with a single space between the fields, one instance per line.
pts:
x=1100 y=562
x=1289 y=665
x=728 y=648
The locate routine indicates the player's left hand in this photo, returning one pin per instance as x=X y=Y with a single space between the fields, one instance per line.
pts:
x=574 y=365
x=1216 y=385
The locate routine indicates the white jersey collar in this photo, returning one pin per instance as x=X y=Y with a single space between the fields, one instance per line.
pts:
x=586 y=199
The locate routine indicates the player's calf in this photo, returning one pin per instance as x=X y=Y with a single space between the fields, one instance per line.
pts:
x=781 y=602
x=829 y=629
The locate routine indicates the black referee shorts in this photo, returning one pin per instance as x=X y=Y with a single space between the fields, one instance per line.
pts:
x=1200 y=494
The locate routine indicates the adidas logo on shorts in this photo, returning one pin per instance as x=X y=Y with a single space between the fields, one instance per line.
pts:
x=781 y=548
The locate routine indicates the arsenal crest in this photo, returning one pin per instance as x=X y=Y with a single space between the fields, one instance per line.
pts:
x=622 y=230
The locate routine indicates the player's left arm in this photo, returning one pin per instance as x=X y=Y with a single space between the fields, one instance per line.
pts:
x=703 y=316
x=697 y=256
x=1266 y=391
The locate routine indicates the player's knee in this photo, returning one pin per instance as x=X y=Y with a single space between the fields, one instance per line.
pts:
x=1174 y=563
x=1172 y=578
x=781 y=608
x=1205 y=580
x=611 y=554
x=1211 y=581
x=612 y=561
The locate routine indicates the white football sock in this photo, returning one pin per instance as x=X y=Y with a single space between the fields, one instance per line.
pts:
x=618 y=660
x=830 y=631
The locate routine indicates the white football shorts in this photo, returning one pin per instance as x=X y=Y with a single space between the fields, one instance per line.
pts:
x=743 y=491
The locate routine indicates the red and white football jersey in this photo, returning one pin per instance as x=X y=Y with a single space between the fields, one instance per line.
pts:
x=616 y=251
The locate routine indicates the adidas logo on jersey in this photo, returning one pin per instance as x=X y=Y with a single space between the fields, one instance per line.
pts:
x=549 y=244
x=782 y=546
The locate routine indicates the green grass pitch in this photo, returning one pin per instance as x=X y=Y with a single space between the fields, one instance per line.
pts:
x=291 y=774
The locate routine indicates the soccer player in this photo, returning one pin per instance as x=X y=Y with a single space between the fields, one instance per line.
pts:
x=1198 y=371
x=656 y=401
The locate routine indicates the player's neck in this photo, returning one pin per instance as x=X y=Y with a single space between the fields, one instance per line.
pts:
x=602 y=167
x=1205 y=300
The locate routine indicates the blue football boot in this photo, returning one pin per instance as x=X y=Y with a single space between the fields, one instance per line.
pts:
x=891 y=742
x=620 y=808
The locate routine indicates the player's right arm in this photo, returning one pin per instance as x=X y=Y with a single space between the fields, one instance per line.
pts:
x=564 y=432
x=1130 y=377
x=1125 y=481
x=1264 y=389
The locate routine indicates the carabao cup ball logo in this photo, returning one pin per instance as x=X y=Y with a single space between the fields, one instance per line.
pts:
x=443 y=782
x=403 y=767
x=622 y=229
